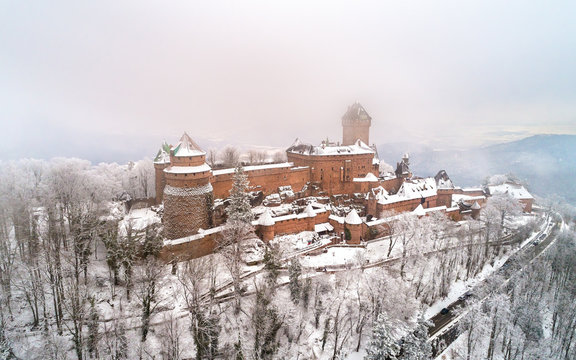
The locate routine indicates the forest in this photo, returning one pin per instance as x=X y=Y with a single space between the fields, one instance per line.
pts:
x=80 y=280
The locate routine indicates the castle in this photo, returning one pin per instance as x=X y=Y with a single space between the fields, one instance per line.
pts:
x=190 y=190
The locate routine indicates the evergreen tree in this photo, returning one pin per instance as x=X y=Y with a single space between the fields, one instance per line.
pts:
x=382 y=346
x=294 y=272
x=239 y=208
x=416 y=345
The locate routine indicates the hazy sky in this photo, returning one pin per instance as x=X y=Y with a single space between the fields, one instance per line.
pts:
x=109 y=80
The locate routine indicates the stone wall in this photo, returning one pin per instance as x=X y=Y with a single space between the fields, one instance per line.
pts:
x=186 y=210
x=265 y=180
x=406 y=205
x=189 y=249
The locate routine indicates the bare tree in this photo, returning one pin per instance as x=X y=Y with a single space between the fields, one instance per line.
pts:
x=148 y=285
x=279 y=157
x=230 y=157
x=212 y=157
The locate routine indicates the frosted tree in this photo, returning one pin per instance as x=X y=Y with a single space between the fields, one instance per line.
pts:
x=230 y=157
x=238 y=229
x=294 y=273
x=416 y=345
x=239 y=208
x=382 y=345
x=148 y=282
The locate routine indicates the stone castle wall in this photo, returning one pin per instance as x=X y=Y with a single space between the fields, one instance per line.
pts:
x=406 y=205
x=186 y=210
x=265 y=180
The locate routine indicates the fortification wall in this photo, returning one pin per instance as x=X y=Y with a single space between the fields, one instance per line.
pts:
x=189 y=249
x=265 y=180
x=406 y=205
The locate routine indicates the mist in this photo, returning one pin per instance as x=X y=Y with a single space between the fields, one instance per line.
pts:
x=110 y=81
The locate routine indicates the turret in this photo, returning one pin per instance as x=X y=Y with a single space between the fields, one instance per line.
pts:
x=161 y=162
x=311 y=218
x=266 y=223
x=353 y=224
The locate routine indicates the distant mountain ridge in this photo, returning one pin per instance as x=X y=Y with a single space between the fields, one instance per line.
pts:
x=546 y=163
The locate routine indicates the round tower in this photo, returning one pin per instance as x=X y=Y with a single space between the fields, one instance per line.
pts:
x=475 y=210
x=266 y=223
x=353 y=224
x=356 y=125
x=310 y=218
x=188 y=192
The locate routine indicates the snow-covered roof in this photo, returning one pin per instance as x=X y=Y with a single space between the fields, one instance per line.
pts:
x=368 y=178
x=419 y=211
x=266 y=219
x=253 y=168
x=187 y=147
x=461 y=197
x=187 y=169
x=517 y=191
x=357 y=148
x=411 y=189
x=475 y=206
x=323 y=227
x=352 y=218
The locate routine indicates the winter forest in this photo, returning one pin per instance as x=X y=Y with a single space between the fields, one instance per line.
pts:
x=81 y=279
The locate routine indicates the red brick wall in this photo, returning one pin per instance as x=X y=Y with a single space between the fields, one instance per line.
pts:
x=444 y=197
x=407 y=205
x=190 y=250
x=265 y=180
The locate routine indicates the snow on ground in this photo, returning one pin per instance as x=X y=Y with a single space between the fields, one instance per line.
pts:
x=334 y=256
x=292 y=242
x=460 y=287
x=139 y=219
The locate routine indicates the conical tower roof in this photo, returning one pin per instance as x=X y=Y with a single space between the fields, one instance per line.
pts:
x=309 y=211
x=352 y=218
x=163 y=155
x=187 y=147
x=266 y=219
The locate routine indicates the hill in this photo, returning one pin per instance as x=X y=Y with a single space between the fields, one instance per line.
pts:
x=545 y=163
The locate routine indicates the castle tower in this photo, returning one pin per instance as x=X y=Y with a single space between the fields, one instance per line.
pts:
x=188 y=192
x=356 y=125
x=161 y=162
x=266 y=223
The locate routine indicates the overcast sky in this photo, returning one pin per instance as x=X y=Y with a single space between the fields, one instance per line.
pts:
x=109 y=80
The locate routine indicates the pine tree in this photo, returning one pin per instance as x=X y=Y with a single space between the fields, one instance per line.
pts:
x=239 y=208
x=416 y=345
x=294 y=272
x=382 y=346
